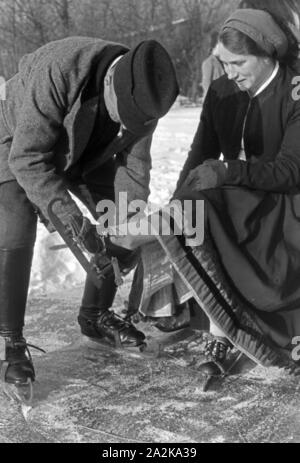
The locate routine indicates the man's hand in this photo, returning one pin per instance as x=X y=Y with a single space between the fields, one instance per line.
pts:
x=211 y=174
x=75 y=224
x=85 y=233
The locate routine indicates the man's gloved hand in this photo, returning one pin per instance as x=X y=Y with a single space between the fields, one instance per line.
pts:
x=211 y=174
x=80 y=227
x=85 y=233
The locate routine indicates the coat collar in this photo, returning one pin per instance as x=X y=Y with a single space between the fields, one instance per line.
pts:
x=80 y=121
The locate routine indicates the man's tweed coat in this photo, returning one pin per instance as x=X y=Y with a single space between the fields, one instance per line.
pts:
x=49 y=115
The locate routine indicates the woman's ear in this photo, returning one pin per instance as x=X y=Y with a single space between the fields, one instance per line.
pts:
x=295 y=30
x=269 y=61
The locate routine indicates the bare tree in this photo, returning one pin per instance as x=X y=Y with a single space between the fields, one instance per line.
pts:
x=24 y=26
x=182 y=26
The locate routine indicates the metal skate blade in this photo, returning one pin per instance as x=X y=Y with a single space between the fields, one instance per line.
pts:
x=107 y=345
x=22 y=393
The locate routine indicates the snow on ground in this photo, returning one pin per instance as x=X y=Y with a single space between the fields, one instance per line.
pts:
x=171 y=143
x=100 y=395
x=57 y=270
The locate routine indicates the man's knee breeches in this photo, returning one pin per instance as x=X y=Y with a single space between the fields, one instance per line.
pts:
x=17 y=236
x=17 y=218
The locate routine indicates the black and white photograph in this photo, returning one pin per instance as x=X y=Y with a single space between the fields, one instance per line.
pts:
x=149 y=224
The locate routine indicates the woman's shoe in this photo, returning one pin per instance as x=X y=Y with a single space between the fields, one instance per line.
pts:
x=216 y=351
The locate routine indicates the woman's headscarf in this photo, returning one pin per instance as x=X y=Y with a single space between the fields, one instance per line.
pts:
x=260 y=27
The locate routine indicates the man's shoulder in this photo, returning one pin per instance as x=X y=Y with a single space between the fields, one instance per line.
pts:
x=70 y=52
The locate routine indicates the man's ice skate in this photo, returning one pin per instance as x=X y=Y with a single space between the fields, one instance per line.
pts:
x=83 y=241
x=105 y=327
x=16 y=370
x=172 y=323
x=98 y=323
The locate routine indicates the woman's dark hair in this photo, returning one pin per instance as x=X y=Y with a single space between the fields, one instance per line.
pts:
x=214 y=37
x=239 y=43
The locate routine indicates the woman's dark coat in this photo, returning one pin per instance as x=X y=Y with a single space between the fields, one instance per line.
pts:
x=254 y=219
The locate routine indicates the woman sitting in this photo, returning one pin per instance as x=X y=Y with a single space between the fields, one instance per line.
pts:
x=246 y=274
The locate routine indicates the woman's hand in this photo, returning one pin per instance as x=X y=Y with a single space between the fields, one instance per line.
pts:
x=211 y=174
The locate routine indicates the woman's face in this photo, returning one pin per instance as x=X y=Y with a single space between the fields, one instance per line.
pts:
x=296 y=19
x=249 y=72
x=295 y=26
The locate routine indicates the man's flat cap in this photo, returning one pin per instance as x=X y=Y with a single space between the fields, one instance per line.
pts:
x=146 y=86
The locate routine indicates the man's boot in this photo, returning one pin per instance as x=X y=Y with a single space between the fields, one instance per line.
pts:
x=101 y=324
x=15 y=265
x=18 y=362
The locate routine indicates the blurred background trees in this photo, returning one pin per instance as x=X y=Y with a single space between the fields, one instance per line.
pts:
x=182 y=26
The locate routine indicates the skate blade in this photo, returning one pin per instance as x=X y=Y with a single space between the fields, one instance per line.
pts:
x=108 y=344
x=20 y=393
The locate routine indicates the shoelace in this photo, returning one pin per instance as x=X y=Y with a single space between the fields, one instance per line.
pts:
x=216 y=349
x=4 y=365
x=23 y=343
